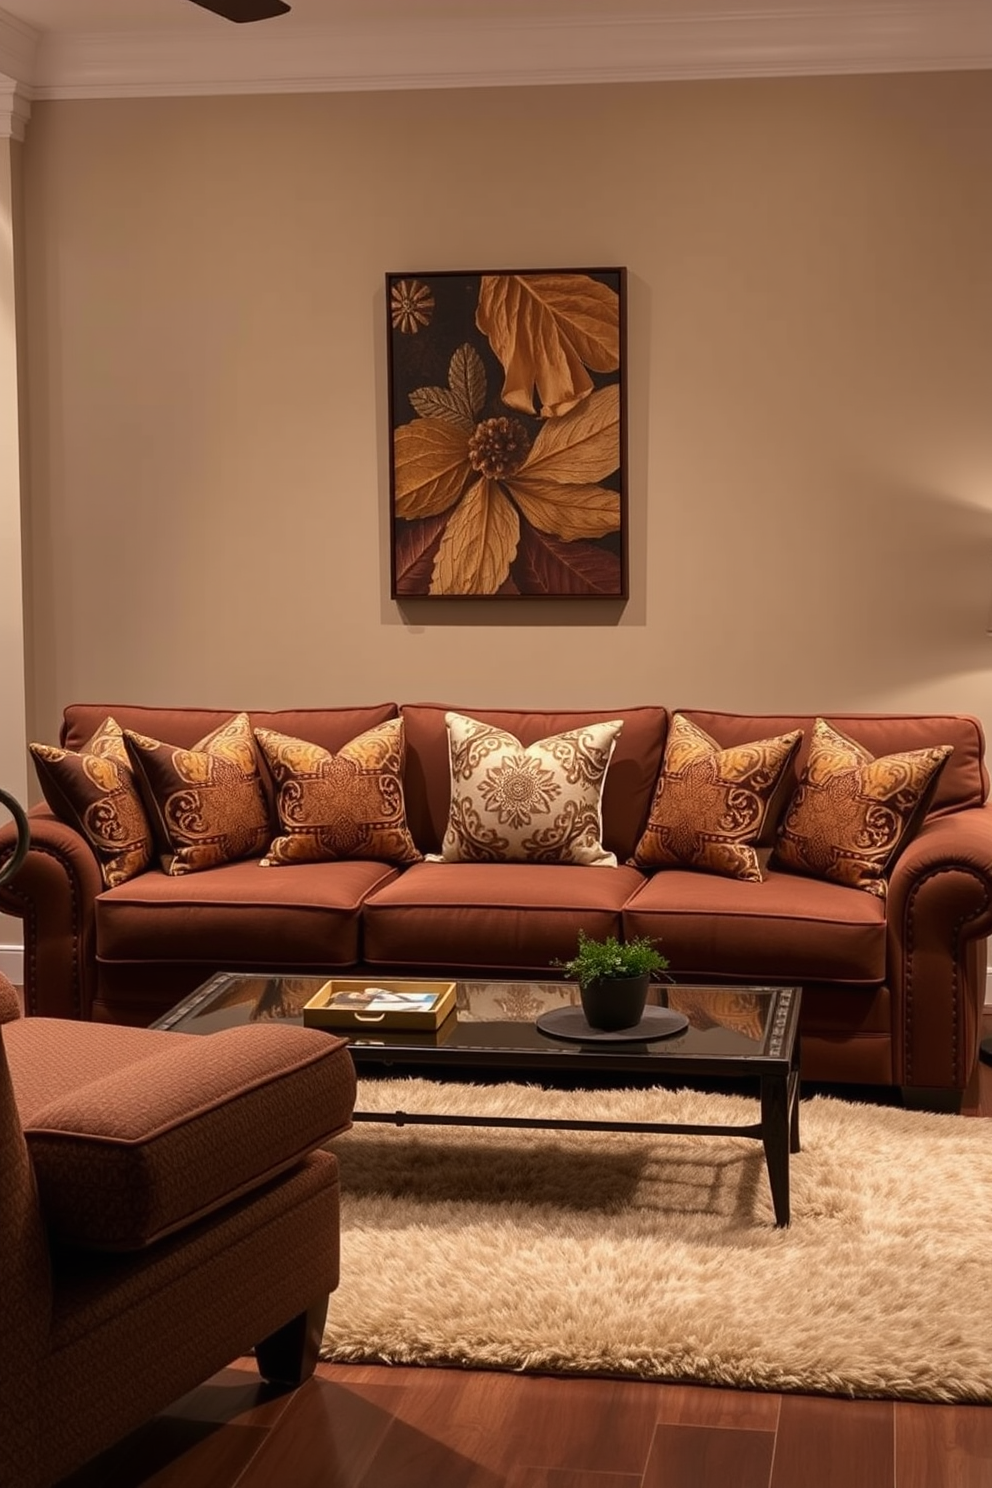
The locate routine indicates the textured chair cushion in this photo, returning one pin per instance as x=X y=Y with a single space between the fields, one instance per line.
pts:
x=206 y=803
x=347 y=804
x=10 y=1003
x=178 y=1129
x=536 y=804
x=852 y=814
x=93 y=789
x=713 y=807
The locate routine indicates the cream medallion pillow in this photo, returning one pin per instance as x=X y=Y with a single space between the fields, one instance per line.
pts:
x=536 y=804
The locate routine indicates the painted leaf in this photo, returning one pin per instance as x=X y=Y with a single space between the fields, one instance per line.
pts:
x=546 y=330
x=582 y=447
x=461 y=401
x=430 y=466
x=437 y=402
x=569 y=512
x=467 y=380
x=479 y=543
x=547 y=566
x=415 y=549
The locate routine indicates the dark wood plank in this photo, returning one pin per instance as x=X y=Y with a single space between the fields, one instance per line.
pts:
x=446 y=1431
x=235 y=1396
x=569 y=1477
x=596 y=1425
x=822 y=1442
x=943 y=1446
x=327 y=1438
x=174 y=1452
x=710 y=1457
x=703 y=1405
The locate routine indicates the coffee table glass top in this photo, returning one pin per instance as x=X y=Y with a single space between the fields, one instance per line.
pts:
x=495 y=1023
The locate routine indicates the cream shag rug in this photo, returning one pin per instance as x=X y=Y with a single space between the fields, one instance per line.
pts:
x=657 y=1257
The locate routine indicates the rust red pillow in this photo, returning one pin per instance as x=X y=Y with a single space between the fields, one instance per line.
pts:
x=853 y=814
x=347 y=804
x=206 y=804
x=714 y=808
x=93 y=789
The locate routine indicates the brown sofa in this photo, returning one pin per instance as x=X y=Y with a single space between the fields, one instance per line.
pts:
x=893 y=987
x=166 y=1208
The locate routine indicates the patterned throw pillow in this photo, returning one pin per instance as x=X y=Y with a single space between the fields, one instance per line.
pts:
x=344 y=805
x=540 y=804
x=94 y=790
x=852 y=814
x=713 y=807
x=206 y=803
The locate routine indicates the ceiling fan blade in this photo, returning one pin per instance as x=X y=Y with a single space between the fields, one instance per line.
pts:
x=245 y=10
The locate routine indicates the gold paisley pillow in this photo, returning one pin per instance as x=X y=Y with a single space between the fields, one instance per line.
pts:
x=713 y=807
x=206 y=803
x=540 y=804
x=852 y=814
x=94 y=790
x=344 y=805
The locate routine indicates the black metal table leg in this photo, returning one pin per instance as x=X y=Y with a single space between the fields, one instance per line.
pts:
x=776 y=1134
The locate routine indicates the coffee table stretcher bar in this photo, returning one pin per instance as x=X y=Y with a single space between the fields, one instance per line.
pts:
x=778 y=1129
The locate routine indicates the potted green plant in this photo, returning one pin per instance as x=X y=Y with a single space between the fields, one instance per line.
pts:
x=613 y=977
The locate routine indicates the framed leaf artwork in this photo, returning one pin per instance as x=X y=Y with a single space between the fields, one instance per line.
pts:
x=507 y=434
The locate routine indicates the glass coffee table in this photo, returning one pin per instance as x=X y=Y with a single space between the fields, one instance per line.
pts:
x=733 y=1034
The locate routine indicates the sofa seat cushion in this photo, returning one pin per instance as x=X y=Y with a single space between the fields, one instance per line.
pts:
x=513 y=916
x=164 y=1128
x=787 y=928
x=240 y=915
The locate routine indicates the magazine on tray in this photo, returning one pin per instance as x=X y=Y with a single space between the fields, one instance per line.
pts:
x=350 y=1002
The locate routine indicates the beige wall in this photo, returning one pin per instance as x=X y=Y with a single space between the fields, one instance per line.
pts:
x=809 y=374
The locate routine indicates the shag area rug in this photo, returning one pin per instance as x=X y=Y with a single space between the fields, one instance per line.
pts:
x=657 y=1257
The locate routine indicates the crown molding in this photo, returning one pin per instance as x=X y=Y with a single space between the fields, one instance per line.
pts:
x=15 y=110
x=913 y=36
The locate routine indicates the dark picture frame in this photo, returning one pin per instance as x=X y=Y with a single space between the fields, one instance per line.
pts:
x=507 y=434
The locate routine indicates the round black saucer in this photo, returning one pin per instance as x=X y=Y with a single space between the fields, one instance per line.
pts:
x=570 y=1023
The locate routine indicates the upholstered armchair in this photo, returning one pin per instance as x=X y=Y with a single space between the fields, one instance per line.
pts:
x=166 y=1208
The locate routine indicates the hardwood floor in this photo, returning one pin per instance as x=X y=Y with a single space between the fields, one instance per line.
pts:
x=356 y=1426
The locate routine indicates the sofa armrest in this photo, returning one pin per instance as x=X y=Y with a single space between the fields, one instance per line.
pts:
x=163 y=1141
x=939 y=912
x=53 y=892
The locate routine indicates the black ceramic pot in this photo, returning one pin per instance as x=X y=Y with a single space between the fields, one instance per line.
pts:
x=615 y=1002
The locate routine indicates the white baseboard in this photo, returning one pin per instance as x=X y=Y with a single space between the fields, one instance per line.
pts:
x=12 y=963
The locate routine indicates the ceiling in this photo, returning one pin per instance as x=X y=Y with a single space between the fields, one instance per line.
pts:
x=108 y=48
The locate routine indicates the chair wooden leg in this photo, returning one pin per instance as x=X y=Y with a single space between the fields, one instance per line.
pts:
x=289 y=1356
